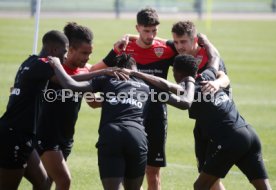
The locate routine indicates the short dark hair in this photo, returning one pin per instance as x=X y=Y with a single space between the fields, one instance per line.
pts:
x=54 y=37
x=147 y=17
x=77 y=34
x=186 y=64
x=125 y=61
x=184 y=27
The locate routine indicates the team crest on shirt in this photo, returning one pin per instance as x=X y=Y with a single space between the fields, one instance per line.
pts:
x=199 y=59
x=159 y=51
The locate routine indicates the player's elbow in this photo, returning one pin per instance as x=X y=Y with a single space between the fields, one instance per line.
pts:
x=94 y=102
x=94 y=105
x=184 y=105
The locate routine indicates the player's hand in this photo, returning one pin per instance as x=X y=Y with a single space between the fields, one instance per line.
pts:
x=202 y=39
x=209 y=87
x=116 y=72
x=121 y=45
x=126 y=71
x=54 y=61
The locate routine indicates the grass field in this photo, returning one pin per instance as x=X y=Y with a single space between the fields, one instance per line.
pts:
x=249 y=51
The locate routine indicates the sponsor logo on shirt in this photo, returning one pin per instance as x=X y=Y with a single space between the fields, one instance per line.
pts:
x=158 y=51
x=221 y=99
x=15 y=91
x=151 y=71
x=130 y=101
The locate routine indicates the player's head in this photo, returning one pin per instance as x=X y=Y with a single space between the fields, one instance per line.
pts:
x=147 y=25
x=125 y=61
x=55 y=43
x=80 y=44
x=184 y=37
x=183 y=66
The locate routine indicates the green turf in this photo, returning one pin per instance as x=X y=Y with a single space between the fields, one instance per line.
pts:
x=249 y=50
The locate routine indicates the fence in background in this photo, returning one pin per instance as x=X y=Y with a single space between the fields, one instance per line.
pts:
x=172 y=6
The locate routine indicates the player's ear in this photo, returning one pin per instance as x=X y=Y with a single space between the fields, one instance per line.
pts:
x=137 y=27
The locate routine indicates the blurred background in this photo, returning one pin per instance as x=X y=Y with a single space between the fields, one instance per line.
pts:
x=121 y=7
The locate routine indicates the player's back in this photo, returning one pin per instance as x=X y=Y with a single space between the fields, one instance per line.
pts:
x=125 y=102
x=214 y=112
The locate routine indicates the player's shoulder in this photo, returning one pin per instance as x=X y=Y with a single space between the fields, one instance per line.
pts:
x=43 y=59
x=160 y=43
x=202 y=52
x=36 y=61
x=164 y=45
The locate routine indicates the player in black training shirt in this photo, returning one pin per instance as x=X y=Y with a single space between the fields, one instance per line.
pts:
x=17 y=125
x=57 y=119
x=152 y=57
x=230 y=140
x=122 y=144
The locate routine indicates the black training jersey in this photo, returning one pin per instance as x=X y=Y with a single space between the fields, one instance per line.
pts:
x=30 y=79
x=58 y=112
x=213 y=112
x=125 y=102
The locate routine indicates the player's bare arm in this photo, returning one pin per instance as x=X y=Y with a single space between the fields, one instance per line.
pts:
x=84 y=86
x=182 y=94
x=222 y=81
x=65 y=80
x=212 y=52
x=98 y=66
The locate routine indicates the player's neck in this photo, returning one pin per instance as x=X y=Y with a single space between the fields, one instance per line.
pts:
x=69 y=65
x=141 y=44
x=43 y=53
x=196 y=50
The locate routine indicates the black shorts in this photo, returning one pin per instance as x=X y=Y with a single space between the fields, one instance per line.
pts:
x=156 y=125
x=240 y=147
x=15 y=148
x=122 y=151
x=54 y=144
x=201 y=145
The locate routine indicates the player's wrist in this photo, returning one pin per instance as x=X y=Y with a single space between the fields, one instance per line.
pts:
x=189 y=79
x=133 y=73
x=116 y=51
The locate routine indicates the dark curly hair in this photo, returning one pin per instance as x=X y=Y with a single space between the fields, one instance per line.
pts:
x=77 y=34
x=186 y=64
x=147 y=17
x=125 y=61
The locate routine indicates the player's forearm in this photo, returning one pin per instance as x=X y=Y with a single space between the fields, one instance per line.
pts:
x=98 y=66
x=64 y=79
x=67 y=82
x=185 y=100
x=88 y=76
x=222 y=79
x=213 y=54
x=159 y=82
x=180 y=103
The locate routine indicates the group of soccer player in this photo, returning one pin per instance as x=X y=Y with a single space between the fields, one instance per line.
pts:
x=36 y=135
